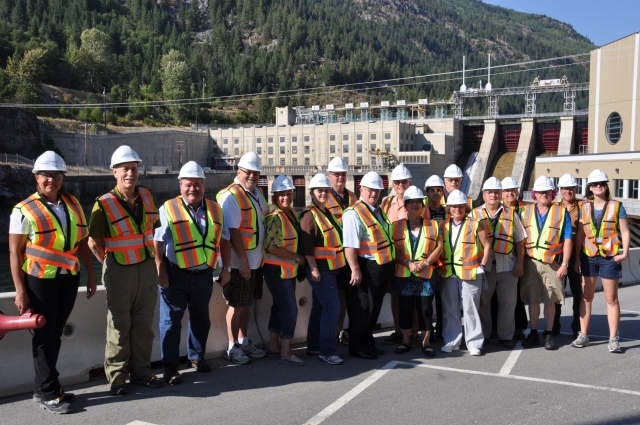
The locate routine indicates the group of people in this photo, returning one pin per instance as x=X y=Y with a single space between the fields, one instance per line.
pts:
x=419 y=246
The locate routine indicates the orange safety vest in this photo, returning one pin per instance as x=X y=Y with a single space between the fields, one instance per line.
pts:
x=52 y=247
x=502 y=232
x=129 y=242
x=380 y=245
x=289 y=268
x=427 y=242
x=331 y=249
x=544 y=243
x=462 y=256
x=608 y=232
x=249 y=214
x=335 y=207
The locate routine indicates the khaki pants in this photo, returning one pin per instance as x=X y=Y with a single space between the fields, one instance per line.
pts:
x=132 y=295
x=505 y=284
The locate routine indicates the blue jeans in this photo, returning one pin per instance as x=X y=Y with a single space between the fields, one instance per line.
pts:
x=185 y=291
x=325 y=309
x=284 y=310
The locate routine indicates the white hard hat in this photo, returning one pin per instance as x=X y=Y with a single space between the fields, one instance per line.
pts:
x=400 y=173
x=250 y=161
x=492 y=183
x=453 y=172
x=337 y=165
x=597 y=175
x=372 y=180
x=542 y=184
x=49 y=161
x=509 y=183
x=567 y=180
x=191 y=170
x=124 y=154
x=433 y=181
x=281 y=183
x=413 y=192
x=318 y=181
x=457 y=198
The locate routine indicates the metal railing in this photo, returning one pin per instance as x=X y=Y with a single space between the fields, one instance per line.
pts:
x=7 y=158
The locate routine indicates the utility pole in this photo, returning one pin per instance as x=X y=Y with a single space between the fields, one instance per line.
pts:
x=180 y=144
x=104 y=101
x=85 y=144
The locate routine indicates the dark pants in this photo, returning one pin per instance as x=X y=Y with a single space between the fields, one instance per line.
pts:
x=364 y=302
x=54 y=299
x=575 y=283
x=325 y=309
x=284 y=310
x=421 y=305
x=185 y=291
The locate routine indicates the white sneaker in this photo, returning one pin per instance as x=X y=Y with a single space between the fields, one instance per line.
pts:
x=474 y=352
x=236 y=355
x=449 y=348
x=253 y=352
x=614 y=345
x=581 y=341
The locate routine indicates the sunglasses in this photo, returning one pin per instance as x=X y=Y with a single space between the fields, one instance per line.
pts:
x=397 y=182
x=600 y=184
x=250 y=172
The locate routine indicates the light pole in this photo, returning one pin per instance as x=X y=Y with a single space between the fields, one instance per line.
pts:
x=104 y=101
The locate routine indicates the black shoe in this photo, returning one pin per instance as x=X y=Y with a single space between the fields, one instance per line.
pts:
x=376 y=351
x=508 y=343
x=119 y=387
x=57 y=406
x=313 y=353
x=549 y=344
x=201 y=365
x=149 y=380
x=531 y=340
x=518 y=335
x=68 y=397
x=364 y=355
x=171 y=375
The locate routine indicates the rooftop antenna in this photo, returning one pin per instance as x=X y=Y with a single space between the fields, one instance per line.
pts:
x=488 y=87
x=463 y=87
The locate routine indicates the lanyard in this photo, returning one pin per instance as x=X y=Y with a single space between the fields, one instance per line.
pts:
x=193 y=213
x=593 y=216
x=414 y=245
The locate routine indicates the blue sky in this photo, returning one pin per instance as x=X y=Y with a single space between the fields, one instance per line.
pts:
x=602 y=21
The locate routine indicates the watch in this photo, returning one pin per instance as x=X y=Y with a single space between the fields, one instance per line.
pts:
x=227 y=269
x=564 y=264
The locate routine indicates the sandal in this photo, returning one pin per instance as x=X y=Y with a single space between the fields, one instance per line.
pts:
x=402 y=349
x=428 y=351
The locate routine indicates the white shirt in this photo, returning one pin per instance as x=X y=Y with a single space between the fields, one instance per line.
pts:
x=354 y=230
x=233 y=218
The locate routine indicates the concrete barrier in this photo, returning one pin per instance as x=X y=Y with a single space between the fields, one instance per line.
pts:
x=565 y=143
x=525 y=151
x=488 y=149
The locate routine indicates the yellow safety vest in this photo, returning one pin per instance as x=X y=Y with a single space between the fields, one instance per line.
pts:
x=380 y=245
x=288 y=268
x=544 y=243
x=608 y=234
x=331 y=249
x=461 y=257
x=427 y=242
x=335 y=207
x=249 y=215
x=501 y=233
x=53 y=247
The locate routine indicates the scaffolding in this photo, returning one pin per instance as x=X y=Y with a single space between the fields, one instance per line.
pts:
x=569 y=102
x=530 y=104
x=493 y=106
x=382 y=160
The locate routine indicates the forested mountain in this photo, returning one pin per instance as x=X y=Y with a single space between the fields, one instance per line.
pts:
x=148 y=50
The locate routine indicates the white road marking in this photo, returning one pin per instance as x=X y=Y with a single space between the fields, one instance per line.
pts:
x=140 y=423
x=630 y=311
x=511 y=360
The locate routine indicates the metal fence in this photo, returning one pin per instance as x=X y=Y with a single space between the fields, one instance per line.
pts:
x=7 y=158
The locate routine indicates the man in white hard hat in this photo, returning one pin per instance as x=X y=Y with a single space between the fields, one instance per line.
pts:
x=548 y=228
x=121 y=237
x=568 y=188
x=191 y=237
x=506 y=234
x=453 y=181
x=368 y=246
x=244 y=209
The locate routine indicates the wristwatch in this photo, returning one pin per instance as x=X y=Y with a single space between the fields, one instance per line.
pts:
x=565 y=264
x=227 y=269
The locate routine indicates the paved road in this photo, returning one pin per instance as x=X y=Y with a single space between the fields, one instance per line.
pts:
x=569 y=386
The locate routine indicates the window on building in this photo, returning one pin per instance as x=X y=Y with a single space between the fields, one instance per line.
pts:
x=372 y=146
x=359 y=148
x=614 y=128
x=619 y=188
x=307 y=149
x=306 y=161
x=236 y=151
x=282 y=139
x=236 y=141
x=226 y=151
x=258 y=150
x=306 y=138
x=295 y=161
x=269 y=139
x=359 y=160
x=358 y=136
x=281 y=150
x=345 y=148
x=259 y=140
x=372 y=136
x=332 y=138
x=332 y=148
x=579 y=188
x=281 y=161
x=270 y=151
x=294 y=150
x=387 y=146
x=225 y=141
x=412 y=137
x=270 y=161
x=387 y=136
x=294 y=139
x=346 y=161
x=345 y=137
x=634 y=189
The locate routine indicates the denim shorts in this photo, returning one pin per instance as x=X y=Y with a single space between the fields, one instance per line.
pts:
x=604 y=267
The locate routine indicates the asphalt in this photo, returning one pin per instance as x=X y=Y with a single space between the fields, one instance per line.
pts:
x=520 y=386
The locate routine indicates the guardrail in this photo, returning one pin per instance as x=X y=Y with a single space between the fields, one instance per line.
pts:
x=7 y=158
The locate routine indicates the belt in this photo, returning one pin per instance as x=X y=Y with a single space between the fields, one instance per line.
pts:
x=187 y=271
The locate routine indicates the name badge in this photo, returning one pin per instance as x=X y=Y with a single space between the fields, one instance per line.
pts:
x=599 y=241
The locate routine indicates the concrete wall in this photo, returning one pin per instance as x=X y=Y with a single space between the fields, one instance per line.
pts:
x=525 y=152
x=565 y=144
x=488 y=149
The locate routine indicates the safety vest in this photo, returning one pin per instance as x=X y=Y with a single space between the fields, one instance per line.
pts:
x=249 y=216
x=331 y=249
x=335 y=207
x=129 y=242
x=544 y=243
x=608 y=231
x=427 y=241
x=501 y=233
x=288 y=268
x=51 y=247
x=462 y=256
x=192 y=247
x=380 y=245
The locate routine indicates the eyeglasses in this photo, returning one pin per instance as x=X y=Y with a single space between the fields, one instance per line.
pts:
x=404 y=182
x=52 y=176
x=250 y=172
x=413 y=202
x=369 y=189
x=343 y=174
x=545 y=192
x=322 y=190
x=601 y=184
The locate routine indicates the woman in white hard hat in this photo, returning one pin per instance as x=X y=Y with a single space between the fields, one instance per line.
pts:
x=281 y=262
x=418 y=246
x=321 y=244
x=602 y=244
x=466 y=252
x=47 y=234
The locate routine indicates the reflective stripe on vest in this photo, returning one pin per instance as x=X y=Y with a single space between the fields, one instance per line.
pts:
x=502 y=234
x=192 y=248
x=129 y=243
x=380 y=244
x=543 y=244
x=608 y=231
x=465 y=257
x=288 y=268
x=426 y=245
x=52 y=248
x=248 y=215
x=335 y=207
x=332 y=249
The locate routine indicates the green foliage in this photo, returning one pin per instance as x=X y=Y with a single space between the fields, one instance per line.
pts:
x=48 y=144
x=25 y=74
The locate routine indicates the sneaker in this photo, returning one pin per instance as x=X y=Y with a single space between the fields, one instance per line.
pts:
x=475 y=352
x=614 y=345
x=392 y=339
x=343 y=338
x=201 y=365
x=332 y=360
x=150 y=380
x=253 y=352
x=57 y=406
x=449 y=348
x=68 y=397
x=532 y=339
x=237 y=355
x=519 y=335
x=171 y=374
x=508 y=343
x=549 y=343
x=293 y=361
x=119 y=387
x=581 y=340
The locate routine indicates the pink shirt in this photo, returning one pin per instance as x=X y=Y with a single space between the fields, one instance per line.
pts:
x=396 y=212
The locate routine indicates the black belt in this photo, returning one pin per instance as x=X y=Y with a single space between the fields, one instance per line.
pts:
x=187 y=271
